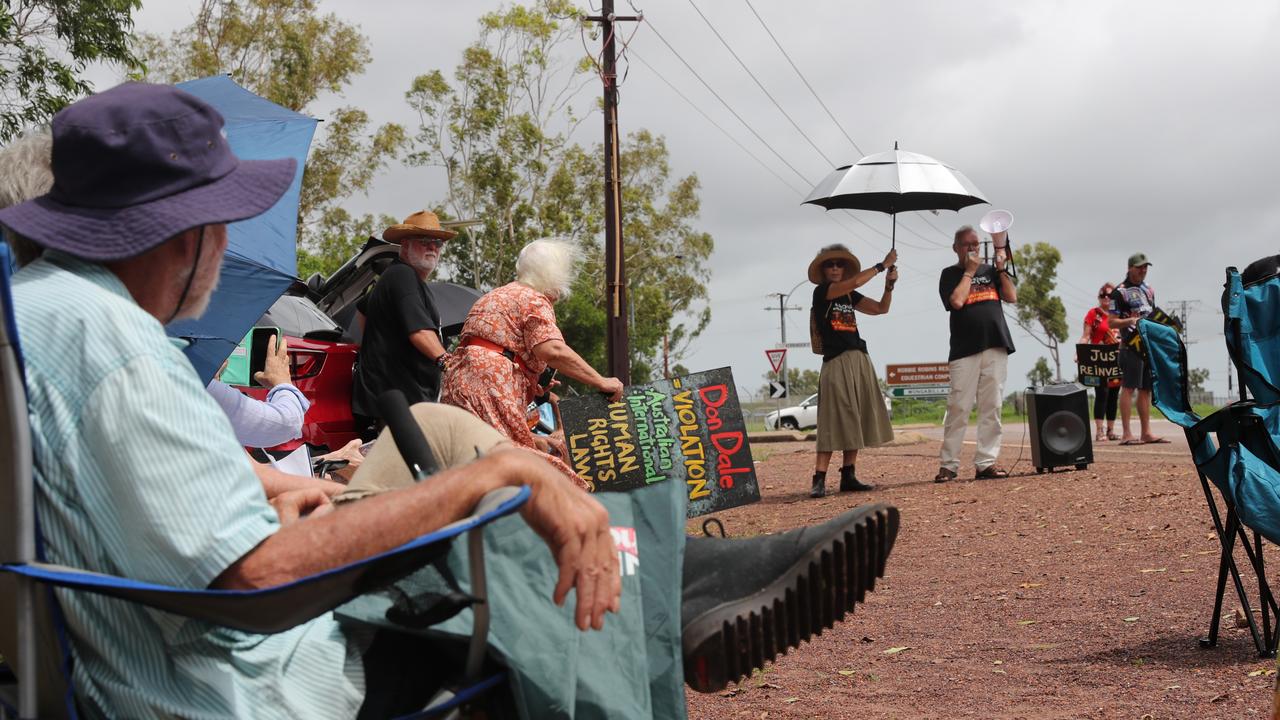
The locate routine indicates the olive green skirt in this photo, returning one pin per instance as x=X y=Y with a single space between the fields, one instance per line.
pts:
x=851 y=413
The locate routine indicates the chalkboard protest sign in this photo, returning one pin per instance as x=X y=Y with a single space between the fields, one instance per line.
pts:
x=1098 y=364
x=687 y=429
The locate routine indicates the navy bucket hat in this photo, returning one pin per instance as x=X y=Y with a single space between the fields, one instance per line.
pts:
x=136 y=165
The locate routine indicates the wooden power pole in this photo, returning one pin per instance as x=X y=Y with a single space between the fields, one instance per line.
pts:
x=617 y=345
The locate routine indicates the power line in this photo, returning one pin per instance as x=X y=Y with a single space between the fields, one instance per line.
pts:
x=717 y=125
x=726 y=105
x=760 y=85
x=757 y=135
x=803 y=80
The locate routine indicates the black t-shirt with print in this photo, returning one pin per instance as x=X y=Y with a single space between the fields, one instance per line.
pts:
x=837 y=322
x=1132 y=300
x=399 y=304
x=980 y=324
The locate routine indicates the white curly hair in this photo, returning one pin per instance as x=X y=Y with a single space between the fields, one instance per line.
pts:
x=25 y=173
x=548 y=265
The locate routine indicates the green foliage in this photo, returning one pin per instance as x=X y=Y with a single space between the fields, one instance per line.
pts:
x=1039 y=312
x=44 y=48
x=499 y=129
x=1040 y=374
x=800 y=383
x=491 y=132
x=287 y=52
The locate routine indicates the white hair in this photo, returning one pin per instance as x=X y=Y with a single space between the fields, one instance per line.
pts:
x=548 y=265
x=25 y=173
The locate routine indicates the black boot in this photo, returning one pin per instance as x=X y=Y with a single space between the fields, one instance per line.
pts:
x=746 y=601
x=819 y=488
x=850 y=483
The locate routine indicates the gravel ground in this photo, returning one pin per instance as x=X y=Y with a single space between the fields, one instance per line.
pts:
x=1076 y=594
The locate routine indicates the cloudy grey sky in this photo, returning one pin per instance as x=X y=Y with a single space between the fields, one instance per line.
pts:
x=1106 y=128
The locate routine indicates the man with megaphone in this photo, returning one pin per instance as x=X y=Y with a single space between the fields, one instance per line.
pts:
x=973 y=294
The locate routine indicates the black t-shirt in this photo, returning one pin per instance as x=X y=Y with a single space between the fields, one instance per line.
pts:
x=980 y=324
x=399 y=305
x=837 y=322
x=1132 y=300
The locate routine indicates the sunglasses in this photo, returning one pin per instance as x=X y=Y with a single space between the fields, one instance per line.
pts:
x=833 y=263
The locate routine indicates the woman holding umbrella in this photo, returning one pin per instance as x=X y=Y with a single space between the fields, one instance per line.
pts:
x=851 y=413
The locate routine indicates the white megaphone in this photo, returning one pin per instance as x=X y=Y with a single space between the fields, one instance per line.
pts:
x=996 y=221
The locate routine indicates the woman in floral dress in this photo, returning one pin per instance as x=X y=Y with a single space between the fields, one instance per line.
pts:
x=510 y=336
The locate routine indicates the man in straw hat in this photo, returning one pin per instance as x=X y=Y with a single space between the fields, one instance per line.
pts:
x=974 y=295
x=401 y=348
x=851 y=412
x=139 y=475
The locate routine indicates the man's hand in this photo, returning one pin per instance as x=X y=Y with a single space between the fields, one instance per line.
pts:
x=1001 y=259
x=276 y=370
x=575 y=527
x=971 y=262
x=294 y=504
x=891 y=259
x=612 y=387
x=891 y=278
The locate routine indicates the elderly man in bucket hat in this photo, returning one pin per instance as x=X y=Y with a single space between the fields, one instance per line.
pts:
x=138 y=472
x=401 y=348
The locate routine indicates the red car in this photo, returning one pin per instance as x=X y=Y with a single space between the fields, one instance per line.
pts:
x=320 y=363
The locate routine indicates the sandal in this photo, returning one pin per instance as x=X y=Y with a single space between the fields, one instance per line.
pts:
x=1100 y=437
x=1112 y=436
x=1157 y=441
x=944 y=475
x=1133 y=441
x=991 y=472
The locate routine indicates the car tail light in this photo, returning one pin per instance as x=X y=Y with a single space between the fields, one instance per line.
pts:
x=305 y=363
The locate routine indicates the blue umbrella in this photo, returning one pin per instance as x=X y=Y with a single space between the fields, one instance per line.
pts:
x=261 y=260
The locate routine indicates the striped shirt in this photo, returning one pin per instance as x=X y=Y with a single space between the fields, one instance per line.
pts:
x=138 y=474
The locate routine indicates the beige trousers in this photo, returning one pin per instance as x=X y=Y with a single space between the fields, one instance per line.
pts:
x=456 y=437
x=977 y=378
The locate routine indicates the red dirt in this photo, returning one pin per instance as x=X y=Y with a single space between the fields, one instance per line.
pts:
x=1071 y=595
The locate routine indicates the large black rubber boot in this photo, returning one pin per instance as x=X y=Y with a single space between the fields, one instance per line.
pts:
x=746 y=601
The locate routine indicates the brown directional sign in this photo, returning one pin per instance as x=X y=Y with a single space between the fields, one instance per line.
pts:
x=918 y=374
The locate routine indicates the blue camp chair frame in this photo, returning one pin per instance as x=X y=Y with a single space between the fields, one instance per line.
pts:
x=261 y=611
x=1233 y=426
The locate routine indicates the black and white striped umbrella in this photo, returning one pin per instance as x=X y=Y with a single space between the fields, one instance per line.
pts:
x=893 y=182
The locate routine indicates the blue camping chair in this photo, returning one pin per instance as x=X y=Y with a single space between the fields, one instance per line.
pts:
x=34 y=642
x=1251 y=314
x=1243 y=465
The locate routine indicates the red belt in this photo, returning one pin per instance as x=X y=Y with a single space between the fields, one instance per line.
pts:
x=472 y=341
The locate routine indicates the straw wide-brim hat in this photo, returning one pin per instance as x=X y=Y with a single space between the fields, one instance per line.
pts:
x=419 y=224
x=833 y=252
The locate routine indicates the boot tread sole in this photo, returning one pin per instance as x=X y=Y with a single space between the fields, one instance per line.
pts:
x=728 y=642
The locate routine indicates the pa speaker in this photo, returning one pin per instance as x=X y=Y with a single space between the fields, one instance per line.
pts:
x=1058 y=416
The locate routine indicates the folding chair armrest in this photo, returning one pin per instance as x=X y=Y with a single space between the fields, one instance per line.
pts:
x=276 y=609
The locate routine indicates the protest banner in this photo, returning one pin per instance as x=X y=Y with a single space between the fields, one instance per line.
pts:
x=687 y=429
x=1098 y=364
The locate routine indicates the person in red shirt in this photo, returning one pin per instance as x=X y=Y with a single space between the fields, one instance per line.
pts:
x=1098 y=331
